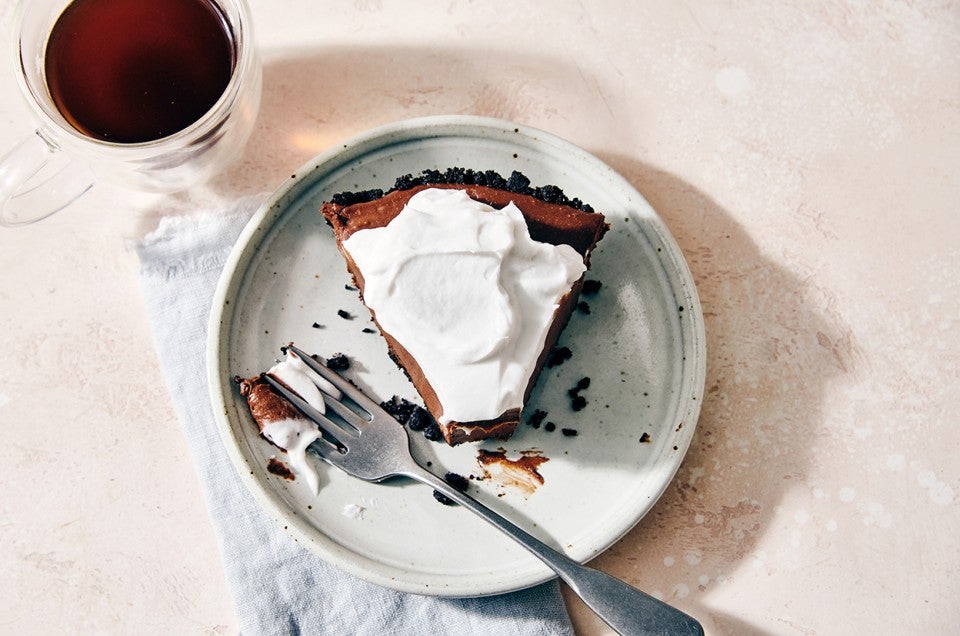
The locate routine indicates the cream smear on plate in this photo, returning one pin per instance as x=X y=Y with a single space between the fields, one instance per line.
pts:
x=294 y=435
x=463 y=287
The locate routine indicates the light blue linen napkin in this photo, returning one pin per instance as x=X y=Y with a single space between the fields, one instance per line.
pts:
x=278 y=586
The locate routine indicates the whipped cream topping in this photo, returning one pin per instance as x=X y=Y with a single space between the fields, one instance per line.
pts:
x=295 y=435
x=463 y=287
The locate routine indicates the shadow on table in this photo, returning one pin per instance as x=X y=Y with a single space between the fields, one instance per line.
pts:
x=772 y=348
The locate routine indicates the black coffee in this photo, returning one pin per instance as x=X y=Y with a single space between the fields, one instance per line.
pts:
x=130 y=71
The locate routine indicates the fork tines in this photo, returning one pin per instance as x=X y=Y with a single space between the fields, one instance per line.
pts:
x=350 y=421
x=334 y=378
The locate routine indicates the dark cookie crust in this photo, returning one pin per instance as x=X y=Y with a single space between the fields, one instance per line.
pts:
x=517 y=183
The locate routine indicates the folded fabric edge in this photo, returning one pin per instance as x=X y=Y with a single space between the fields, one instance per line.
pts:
x=194 y=243
x=196 y=247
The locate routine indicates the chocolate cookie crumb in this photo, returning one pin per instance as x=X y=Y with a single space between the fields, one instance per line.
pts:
x=583 y=307
x=338 y=362
x=536 y=419
x=558 y=356
x=457 y=481
x=317 y=325
x=569 y=432
x=645 y=438
x=591 y=287
x=413 y=416
x=517 y=183
x=432 y=432
x=419 y=419
x=400 y=408
x=369 y=330
x=549 y=427
x=350 y=288
x=346 y=315
x=577 y=401
x=349 y=198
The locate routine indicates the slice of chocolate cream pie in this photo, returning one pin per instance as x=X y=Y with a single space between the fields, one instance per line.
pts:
x=470 y=278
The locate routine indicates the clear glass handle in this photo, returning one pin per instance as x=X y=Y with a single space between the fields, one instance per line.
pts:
x=36 y=180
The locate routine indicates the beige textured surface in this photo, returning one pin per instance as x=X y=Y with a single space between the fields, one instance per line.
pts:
x=804 y=154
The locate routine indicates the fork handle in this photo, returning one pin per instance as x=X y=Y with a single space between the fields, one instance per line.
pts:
x=623 y=607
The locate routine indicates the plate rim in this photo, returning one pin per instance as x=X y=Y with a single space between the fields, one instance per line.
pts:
x=342 y=154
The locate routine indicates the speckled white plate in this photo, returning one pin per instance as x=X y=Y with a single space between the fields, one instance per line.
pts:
x=642 y=345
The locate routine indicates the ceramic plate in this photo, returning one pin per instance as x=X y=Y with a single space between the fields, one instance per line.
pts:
x=641 y=344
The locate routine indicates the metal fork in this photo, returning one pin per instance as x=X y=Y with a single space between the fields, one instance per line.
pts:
x=371 y=445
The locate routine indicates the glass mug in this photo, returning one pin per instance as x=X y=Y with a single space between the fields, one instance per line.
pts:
x=49 y=170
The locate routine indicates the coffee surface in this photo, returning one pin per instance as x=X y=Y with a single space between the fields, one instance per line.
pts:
x=130 y=71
